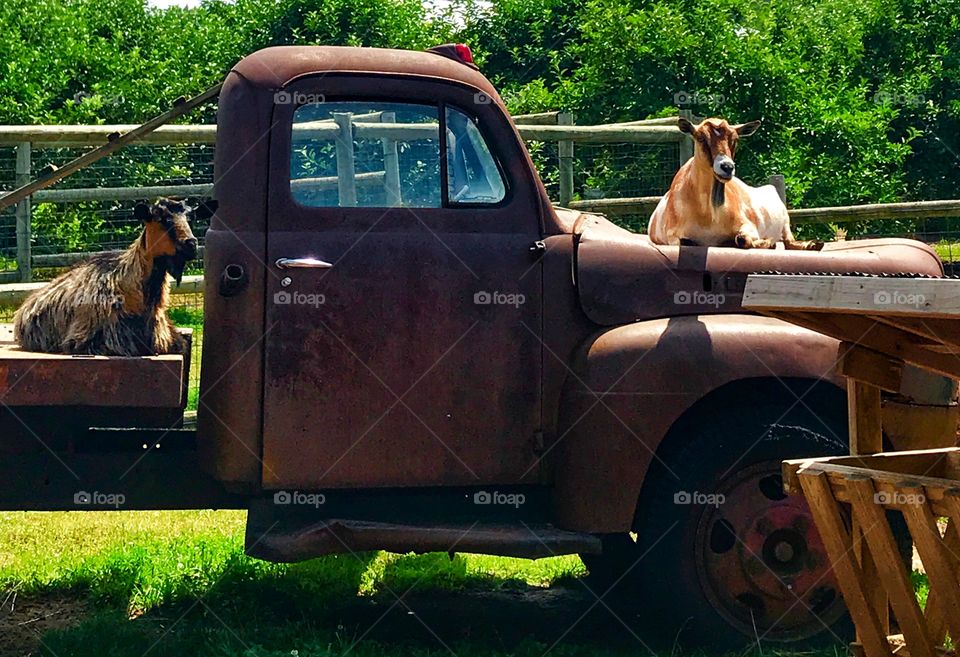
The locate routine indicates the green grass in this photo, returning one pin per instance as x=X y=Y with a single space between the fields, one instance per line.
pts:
x=191 y=317
x=178 y=581
x=948 y=250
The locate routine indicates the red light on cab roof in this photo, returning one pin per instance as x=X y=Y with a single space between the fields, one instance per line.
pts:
x=463 y=52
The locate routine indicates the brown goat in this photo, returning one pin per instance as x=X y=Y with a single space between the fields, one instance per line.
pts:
x=115 y=304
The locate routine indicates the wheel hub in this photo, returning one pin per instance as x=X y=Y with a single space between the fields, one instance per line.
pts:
x=761 y=559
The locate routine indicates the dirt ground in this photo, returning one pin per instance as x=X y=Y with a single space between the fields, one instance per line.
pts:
x=23 y=621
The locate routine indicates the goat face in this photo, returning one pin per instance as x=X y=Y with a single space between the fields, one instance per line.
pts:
x=166 y=234
x=716 y=144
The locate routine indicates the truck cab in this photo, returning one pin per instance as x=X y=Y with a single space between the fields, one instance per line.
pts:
x=408 y=347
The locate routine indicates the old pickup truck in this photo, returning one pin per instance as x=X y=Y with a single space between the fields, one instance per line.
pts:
x=407 y=347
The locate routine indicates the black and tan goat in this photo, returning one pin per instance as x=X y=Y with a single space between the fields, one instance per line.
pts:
x=115 y=304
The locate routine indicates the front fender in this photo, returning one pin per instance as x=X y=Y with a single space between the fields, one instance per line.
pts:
x=631 y=383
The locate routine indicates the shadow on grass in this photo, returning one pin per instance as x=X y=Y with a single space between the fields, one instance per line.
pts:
x=415 y=605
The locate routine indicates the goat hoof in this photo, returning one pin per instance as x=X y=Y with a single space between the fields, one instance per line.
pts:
x=815 y=245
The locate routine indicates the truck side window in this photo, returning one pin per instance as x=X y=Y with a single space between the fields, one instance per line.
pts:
x=364 y=154
x=473 y=175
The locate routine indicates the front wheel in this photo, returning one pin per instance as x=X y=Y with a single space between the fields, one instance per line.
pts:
x=722 y=556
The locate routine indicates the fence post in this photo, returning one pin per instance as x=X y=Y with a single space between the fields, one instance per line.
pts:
x=346 y=170
x=686 y=144
x=565 y=152
x=391 y=164
x=781 y=185
x=23 y=213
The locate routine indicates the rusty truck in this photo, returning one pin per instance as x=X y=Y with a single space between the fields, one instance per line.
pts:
x=408 y=347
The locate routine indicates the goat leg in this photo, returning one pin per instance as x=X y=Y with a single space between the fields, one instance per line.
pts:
x=803 y=245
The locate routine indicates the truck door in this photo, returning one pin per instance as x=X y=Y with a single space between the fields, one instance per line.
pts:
x=403 y=295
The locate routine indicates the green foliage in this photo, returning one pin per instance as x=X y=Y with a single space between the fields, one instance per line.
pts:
x=860 y=100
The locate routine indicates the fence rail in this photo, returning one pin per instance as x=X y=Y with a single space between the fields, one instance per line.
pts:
x=13 y=294
x=837 y=214
x=556 y=134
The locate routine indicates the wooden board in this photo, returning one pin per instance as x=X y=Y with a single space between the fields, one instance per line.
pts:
x=36 y=379
x=911 y=297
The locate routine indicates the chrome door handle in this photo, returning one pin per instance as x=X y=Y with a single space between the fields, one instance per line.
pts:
x=294 y=263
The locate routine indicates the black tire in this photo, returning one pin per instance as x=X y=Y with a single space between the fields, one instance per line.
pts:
x=717 y=575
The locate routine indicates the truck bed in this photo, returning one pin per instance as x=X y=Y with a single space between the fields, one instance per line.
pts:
x=30 y=378
x=51 y=401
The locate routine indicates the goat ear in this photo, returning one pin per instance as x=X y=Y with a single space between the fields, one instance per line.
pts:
x=747 y=129
x=141 y=212
x=206 y=209
x=685 y=126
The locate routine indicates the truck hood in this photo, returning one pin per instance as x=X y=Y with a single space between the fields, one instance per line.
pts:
x=623 y=277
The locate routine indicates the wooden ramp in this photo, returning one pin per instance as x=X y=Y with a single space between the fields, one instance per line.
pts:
x=883 y=323
x=848 y=492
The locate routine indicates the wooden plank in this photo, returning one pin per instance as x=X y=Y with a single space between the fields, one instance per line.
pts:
x=537 y=118
x=938 y=563
x=883 y=546
x=873 y=335
x=922 y=462
x=24 y=208
x=838 y=543
x=391 y=165
x=603 y=134
x=925 y=209
x=113 y=145
x=912 y=297
x=868 y=366
x=56 y=136
x=617 y=206
x=847 y=213
x=203 y=190
x=665 y=120
x=12 y=295
x=934 y=329
x=866 y=437
x=346 y=168
x=863 y=417
x=887 y=485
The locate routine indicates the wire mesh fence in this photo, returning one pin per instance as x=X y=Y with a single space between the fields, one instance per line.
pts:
x=90 y=220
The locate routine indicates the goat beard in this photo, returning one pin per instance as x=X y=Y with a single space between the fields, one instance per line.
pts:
x=175 y=265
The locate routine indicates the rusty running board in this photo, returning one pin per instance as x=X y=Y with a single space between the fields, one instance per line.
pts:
x=339 y=535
